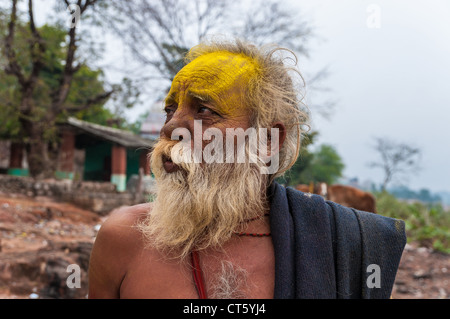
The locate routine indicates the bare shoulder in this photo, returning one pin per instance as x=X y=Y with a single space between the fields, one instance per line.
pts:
x=115 y=246
x=119 y=230
x=124 y=218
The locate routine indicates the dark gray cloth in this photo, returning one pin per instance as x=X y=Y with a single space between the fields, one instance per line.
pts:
x=325 y=250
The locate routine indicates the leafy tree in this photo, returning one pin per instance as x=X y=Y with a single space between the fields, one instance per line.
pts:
x=326 y=166
x=44 y=80
x=323 y=165
x=293 y=175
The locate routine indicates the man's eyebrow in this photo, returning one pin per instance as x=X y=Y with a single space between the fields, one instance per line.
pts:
x=204 y=97
x=170 y=99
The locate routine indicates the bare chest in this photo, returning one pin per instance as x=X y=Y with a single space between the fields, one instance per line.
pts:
x=243 y=269
x=246 y=273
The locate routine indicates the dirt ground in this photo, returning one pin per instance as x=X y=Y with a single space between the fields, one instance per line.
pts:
x=423 y=274
x=39 y=238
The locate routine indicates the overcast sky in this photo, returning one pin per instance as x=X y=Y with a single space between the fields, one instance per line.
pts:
x=390 y=73
x=391 y=81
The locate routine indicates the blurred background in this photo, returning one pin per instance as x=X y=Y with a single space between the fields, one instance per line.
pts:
x=81 y=91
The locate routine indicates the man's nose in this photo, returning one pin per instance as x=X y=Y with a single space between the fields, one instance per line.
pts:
x=178 y=120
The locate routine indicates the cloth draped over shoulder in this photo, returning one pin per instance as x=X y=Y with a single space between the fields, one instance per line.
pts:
x=325 y=250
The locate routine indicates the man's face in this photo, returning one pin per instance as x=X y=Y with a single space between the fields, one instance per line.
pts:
x=202 y=204
x=211 y=89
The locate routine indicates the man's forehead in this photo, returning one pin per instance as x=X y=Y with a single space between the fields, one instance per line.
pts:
x=224 y=60
x=214 y=73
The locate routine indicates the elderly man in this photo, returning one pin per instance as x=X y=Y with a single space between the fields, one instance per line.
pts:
x=220 y=226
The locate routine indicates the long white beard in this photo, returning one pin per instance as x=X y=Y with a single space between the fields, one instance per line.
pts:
x=201 y=205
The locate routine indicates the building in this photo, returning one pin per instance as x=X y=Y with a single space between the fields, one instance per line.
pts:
x=152 y=125
x=92 y=152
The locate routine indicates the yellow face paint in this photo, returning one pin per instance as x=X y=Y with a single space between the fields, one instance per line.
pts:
x=218 y=78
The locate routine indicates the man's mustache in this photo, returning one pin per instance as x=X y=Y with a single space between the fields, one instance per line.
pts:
x=238 y=147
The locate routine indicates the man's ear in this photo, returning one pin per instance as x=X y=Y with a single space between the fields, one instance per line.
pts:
x=274 y=141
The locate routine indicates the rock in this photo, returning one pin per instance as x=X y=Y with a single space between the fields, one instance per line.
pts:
x=45 y=272
x=423 y=250
x=403 y=290
x=422 y=274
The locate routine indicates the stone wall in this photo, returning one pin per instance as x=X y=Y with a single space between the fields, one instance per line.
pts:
x=4 y=154
x=99 y=197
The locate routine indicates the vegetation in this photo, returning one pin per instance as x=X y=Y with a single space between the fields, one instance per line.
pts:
x=323 y=165
x=44 y=80
x=423 y=195
x=428 y=224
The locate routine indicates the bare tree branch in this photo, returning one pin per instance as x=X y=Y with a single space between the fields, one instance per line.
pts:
x=138 y=33
x=61 y=92
x=209 y=17
x=397 y=159
x=37 y=48
x=156 y=32
x=91 y=101
x=31 y=17
x=269 y=22
x=87 y=4
x=13 y=67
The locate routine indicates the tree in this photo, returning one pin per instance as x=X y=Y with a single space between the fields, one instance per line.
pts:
x=158 y=33
x=42 y=65
x=323 y=165
x=326 y=166
x=397 y=159
x=293 y=175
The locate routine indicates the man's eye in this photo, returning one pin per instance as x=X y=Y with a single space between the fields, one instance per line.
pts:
x=169 y=110
x=206 y=110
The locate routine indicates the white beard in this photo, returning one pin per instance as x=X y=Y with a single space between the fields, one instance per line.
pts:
x=201 y=205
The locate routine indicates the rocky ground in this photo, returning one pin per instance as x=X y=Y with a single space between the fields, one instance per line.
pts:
x=40 y=238
x=423 y=274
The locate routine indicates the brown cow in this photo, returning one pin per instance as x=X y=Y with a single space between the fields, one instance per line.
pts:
x=311 y=188
x=342 y=194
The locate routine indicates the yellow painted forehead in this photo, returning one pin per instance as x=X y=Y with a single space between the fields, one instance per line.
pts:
x=216 y=74
x=222 y=68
